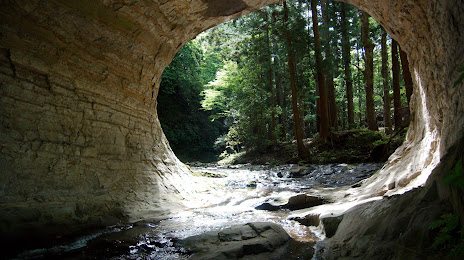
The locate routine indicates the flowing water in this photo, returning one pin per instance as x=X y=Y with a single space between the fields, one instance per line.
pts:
x=229 y=196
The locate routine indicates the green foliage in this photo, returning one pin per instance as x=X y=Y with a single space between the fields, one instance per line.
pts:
x=367 y=136
x=455 y=177
x=450 y=237
x=190 y=132
x=216 y=94
x=240 y=94
x=447 y=223
x=380 y=142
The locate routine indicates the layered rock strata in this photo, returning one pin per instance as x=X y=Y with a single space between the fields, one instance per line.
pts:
x=80 y=141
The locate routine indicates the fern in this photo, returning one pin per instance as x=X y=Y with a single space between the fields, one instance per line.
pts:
x=439 y=222
x=455 y=177
x=458 y=249
x=447 y=224
x=452 y=222
x=442 y=240
x=450 y=235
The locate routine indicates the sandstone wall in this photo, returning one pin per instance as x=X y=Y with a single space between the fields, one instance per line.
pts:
x=80 y=141
x=80 y=138
x=431 y=33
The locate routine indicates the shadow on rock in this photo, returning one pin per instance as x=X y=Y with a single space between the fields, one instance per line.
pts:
x=300 y=201
x=258 y=240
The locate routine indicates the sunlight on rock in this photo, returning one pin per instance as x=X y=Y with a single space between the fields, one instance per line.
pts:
x=82 y=147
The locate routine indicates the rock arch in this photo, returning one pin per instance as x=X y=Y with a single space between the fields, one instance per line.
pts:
x=80 y=141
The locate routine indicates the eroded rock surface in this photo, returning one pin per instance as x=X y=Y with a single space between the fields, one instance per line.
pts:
x=258 y=240
x=399 y=226
x=80 y=142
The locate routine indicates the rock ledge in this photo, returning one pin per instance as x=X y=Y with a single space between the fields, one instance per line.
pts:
x=258 y=240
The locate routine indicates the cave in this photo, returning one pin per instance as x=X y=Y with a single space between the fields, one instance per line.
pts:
x=81 y=145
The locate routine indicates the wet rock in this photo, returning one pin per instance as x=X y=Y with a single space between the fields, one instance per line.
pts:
x=258 y=240
x=329 y=175
x=303 y=201
x=300 y=201
x=117 y=242
x=297 y=171
x=331 y=225
x=208 y=174
x=252 y=184
x=269 y=207
x=304 y=171
x=301 y=172
x=308 y=220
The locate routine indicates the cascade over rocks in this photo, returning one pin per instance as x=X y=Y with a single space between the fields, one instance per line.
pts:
x=80 y=142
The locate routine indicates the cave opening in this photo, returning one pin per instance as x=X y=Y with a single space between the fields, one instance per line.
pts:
x=201 y=106
x=81 y=145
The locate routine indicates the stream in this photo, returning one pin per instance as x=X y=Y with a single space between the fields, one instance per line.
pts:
x=229 y=196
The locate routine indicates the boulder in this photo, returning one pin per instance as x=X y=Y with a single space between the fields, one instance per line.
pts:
x=331 y=225
x=258 y=240
x=268 y=206
x=300 y=201
x=308 y=220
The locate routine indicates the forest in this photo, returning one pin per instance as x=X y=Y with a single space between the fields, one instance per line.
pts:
x=299 y=73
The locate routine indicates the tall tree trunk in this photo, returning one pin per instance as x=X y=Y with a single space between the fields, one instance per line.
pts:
x=318 y=108
x=301 y=106
x=346 y=49
x=309 y=54
x=302 y=151
x=279 y=96
x=285 y=106
x=333 y=115
x=315 y=76
x=323 y=106
x=359 y=89
x=343 y=116
x=396 y=85
x=386 y=84
x=328 y=68
x=271 y=84
x=406 y=74
x=368 y=72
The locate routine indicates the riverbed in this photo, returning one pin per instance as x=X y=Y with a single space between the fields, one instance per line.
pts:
x=229 y=195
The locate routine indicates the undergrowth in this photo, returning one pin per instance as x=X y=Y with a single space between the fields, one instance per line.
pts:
x=450 y=236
